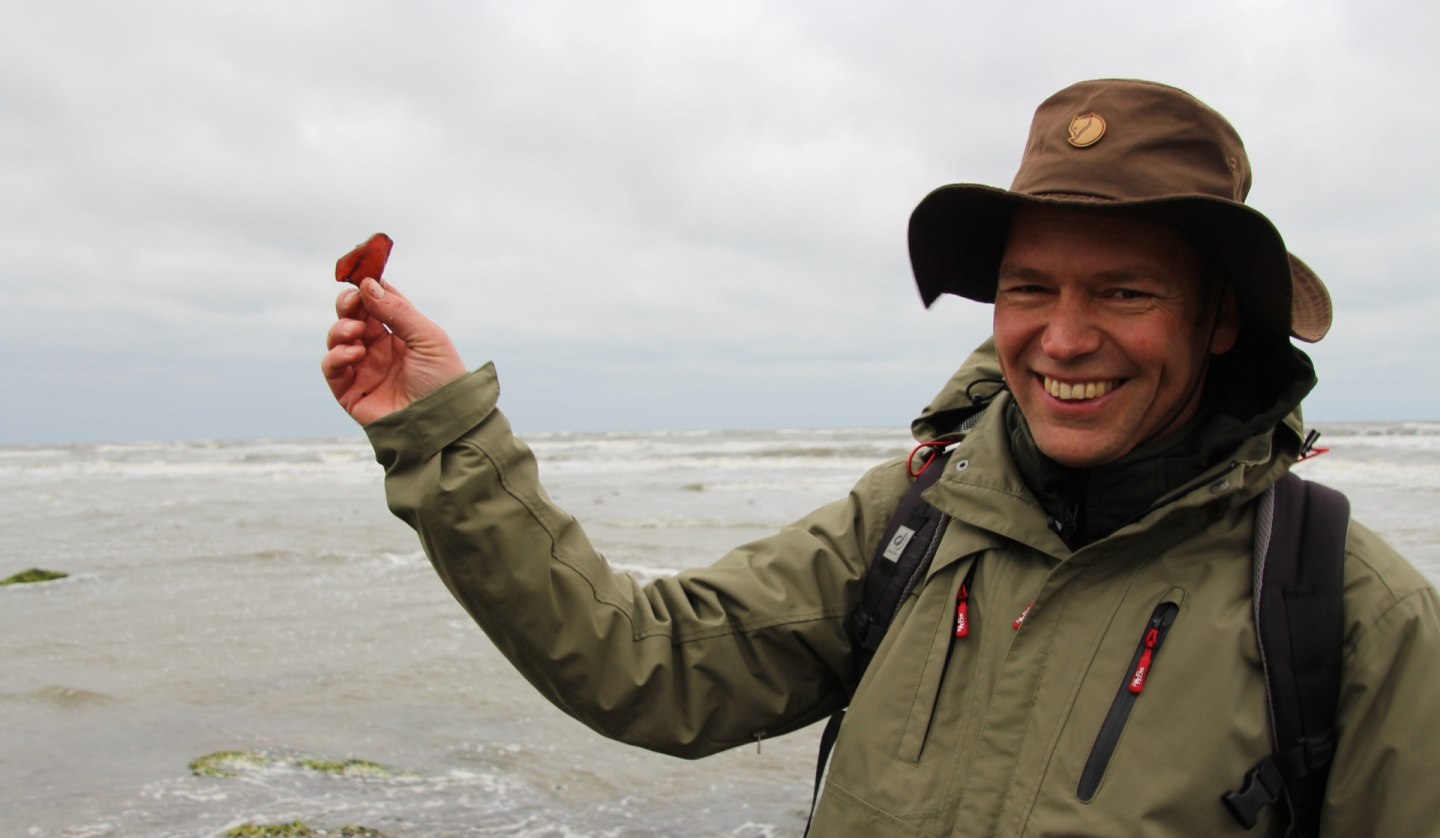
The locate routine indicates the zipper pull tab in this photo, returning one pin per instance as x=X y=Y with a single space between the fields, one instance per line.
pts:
x=1142 y=671
x=1020 y=620
x=962 y=602
x=962 y=612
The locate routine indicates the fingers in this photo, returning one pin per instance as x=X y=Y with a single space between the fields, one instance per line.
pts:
x=375 y=299
x=338 y=367
x=348 y=303
x=391 y=308
x=356 y=322
x=344 y=331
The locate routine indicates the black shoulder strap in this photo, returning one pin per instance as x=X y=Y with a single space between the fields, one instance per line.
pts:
x=904 y=553
x=1301 y=530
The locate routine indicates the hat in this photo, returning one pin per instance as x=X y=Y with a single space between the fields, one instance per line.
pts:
x=1132 y=146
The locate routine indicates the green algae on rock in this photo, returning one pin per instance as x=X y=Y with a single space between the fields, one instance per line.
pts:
x=232 y=763
x=32 y=575
x=300 y=829
x=348 y=768
x=227 y=763
x=294 y=829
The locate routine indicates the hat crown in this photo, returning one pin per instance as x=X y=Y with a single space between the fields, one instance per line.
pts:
x=1121 y=140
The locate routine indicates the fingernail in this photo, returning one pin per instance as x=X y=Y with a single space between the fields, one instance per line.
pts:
x=375 y=289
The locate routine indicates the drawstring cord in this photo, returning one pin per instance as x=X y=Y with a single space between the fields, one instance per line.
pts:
x=932 y=448
x=1308 y=449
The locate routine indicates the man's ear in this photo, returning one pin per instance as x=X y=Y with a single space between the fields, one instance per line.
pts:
x=1227 y=325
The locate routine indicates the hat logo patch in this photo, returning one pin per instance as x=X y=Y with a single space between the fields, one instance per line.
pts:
x=1086 y=130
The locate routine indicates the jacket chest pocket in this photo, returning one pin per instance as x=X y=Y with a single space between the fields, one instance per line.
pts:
x=896 y=750
x=945 y=616
x=1132 y=682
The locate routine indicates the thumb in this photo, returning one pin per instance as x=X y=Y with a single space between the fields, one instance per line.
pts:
x=391 y=308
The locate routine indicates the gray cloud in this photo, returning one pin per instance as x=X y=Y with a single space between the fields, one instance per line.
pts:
x=649 y=214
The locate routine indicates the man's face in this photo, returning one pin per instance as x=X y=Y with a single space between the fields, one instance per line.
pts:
x=1103 y=329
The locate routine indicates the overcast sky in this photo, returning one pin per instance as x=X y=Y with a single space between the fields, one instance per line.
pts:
x=649 y=214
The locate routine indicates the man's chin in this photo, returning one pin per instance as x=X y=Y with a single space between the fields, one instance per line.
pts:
x=1079 y=449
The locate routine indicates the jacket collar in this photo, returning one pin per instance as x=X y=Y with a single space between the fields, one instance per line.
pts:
x=1253 y=434
x=985 y=495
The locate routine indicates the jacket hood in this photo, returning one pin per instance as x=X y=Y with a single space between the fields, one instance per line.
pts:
x=967 y=392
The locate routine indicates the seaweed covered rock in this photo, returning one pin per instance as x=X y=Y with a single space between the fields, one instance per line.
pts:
x=34 y=574
x=227 y=763
x=294 y=829
x=299 y=829
x=348 y=768
x=232 y=763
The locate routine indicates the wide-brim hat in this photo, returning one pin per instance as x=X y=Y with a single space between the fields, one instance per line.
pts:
x=1135 y=147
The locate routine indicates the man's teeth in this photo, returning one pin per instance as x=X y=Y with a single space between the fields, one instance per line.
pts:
x=1079 y=390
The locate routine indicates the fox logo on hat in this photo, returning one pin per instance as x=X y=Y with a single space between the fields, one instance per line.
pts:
x=1086 y=130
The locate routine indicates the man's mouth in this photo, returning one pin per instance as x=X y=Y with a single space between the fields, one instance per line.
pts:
x=1078 y=390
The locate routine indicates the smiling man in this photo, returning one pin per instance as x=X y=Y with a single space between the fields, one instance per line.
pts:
x=1078 y=652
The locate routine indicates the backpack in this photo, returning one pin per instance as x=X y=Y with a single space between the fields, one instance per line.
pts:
x=1298 y=616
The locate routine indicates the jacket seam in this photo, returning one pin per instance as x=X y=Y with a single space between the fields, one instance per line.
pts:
x=740 y=629
x=1364 y=629
x=1379 y=576
x=503 y=479
x=895 y=820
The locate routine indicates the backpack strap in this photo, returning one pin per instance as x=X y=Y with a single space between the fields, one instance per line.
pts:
x=1300 y=534
x=903 y=556
x=911 y=538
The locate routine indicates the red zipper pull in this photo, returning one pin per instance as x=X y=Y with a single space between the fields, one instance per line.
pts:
x=1020 y=620
x=1137 y=681
x=962 y=612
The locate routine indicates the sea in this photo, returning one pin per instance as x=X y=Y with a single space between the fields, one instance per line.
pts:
x=257 y=599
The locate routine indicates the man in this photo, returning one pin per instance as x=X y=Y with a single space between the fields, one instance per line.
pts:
x=1104 y=501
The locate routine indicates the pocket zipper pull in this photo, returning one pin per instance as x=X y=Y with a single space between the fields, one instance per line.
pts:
x=962 y=612
x=962 y=603
x=1142 y=671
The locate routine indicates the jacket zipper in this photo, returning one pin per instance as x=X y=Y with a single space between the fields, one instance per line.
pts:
x=1142 y=664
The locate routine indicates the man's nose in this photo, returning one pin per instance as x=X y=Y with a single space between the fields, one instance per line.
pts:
x=1070 y=330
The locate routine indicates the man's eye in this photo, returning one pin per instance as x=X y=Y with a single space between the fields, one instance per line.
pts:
x=1129 y=294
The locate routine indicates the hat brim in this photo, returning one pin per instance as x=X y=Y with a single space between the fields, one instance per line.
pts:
x=958 y=234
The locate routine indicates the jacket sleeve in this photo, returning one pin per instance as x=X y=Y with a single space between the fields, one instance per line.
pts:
x=1384 y=777
x=754 y=645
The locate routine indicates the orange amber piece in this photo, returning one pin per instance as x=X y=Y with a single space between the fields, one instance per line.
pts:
x=365 y=260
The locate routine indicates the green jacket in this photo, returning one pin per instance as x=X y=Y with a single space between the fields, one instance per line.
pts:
x=985 y=735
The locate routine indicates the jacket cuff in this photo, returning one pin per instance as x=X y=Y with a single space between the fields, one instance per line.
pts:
x=424 y=428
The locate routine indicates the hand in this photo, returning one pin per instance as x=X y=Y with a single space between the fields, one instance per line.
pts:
x=384 y=354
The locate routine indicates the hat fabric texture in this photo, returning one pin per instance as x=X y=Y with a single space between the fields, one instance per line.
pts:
x=1134 y=147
